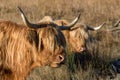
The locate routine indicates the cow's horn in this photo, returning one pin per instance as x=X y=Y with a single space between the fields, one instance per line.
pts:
x=117 y=23
x=25 y=20
x=69 y=26
x=74 y=21
x=95 y=28
x=115 y=27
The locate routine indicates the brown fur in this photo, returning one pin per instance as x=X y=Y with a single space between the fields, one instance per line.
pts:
x=22 y=49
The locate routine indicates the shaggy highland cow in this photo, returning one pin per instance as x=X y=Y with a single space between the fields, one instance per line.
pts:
x=77 y=35
x=24 y=47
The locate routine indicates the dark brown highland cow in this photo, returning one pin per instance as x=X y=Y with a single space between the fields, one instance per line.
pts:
x=24 y=47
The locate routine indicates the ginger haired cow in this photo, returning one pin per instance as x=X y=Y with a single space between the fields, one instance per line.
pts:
x=77 y=35
x=24 y=47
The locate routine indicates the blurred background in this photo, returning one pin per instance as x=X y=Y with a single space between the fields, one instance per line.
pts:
x=93 y=11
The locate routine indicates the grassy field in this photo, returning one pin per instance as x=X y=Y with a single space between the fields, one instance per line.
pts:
x=93 y=64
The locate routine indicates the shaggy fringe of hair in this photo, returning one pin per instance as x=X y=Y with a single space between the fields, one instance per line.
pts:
x=77 y=32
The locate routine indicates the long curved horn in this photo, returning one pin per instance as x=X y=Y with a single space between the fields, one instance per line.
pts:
x=95 y=28
x=69 y=26
x=25 y=20
x=115 y=27
x=117 y=23
x=74 y=21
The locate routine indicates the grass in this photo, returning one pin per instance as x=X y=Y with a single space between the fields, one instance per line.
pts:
x=91 y=65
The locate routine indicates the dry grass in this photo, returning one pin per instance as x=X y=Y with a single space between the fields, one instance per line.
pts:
x=94 y=64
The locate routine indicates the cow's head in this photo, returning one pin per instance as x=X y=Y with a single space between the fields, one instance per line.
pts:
x=75 y=41
x=50 y=41
x=77 y=35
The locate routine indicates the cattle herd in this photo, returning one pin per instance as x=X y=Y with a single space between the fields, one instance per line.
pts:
x=24 y=47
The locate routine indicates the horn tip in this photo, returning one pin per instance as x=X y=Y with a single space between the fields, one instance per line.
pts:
x=79 y=15
x=104 y=23
x=20 y=9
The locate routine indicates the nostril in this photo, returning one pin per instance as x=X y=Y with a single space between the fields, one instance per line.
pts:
x=82 y=48
x=61 y=58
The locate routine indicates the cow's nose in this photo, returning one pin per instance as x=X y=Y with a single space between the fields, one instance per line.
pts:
x=61 y=58
x=82 y=48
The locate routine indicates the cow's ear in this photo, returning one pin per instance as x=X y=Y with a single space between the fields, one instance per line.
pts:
x=40 y=46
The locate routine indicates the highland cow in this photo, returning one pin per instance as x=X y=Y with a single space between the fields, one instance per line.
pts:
x=77 y=35
x=24 y=47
